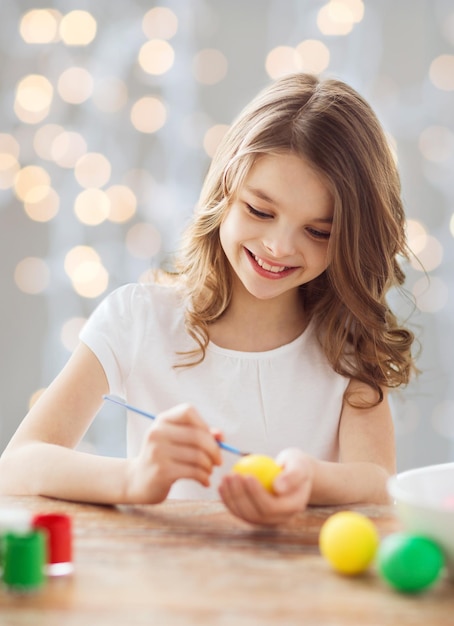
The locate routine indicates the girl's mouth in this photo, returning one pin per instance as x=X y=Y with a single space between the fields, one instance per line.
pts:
x=265 y=269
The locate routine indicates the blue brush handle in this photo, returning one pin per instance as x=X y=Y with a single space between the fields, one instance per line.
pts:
x=221 y=444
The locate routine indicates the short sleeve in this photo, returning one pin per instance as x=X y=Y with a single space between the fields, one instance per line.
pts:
x=109 y=335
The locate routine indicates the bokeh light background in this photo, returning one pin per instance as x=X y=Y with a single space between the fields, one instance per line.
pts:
x=110 y=112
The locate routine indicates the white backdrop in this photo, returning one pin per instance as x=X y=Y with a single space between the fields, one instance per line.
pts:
x=109 y=114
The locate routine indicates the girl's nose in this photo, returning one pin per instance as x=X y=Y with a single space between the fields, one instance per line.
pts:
x=281 y=243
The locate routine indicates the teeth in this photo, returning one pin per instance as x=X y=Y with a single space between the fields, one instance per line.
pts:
x=270 y=268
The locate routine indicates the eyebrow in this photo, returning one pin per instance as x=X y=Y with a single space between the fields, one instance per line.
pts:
x=264 y=196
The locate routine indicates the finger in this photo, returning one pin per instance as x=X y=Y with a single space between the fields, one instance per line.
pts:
x=184 y=436
x=185 y=416
x=240 y=496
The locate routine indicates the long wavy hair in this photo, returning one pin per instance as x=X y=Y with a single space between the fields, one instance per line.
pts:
x=329 y=124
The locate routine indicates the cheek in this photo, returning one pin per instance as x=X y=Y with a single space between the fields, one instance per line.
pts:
x=230 y=230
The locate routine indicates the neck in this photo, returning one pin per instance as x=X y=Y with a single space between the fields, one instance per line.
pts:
x=253 y=325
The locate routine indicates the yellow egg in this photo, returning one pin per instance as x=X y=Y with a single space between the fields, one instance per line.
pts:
x=349 y=540
x=263 y=467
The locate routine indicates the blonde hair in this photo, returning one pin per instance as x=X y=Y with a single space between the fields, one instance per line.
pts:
x=329 y=124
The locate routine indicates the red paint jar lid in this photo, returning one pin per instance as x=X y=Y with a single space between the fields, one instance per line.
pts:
x=59 y=536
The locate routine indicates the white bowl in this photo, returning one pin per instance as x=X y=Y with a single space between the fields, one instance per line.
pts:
x=424 y=499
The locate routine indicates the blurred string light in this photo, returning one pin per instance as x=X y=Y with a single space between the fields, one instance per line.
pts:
x=441 y=72
x=32 y=275
x=97 y=202
x=430 y=293
x=209 y=66
x=338 y=17
x=78 y=28
x=86 y=271
x=75 y=85
x=40 y=26
x=69 y=334
x=436 y=143
x=156 y=57
x=212 y=138
x=148 y=114
x=34 y=95
x=160 y=23
x=311 y=55
x=9 y=160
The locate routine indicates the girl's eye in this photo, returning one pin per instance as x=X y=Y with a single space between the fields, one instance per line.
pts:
x=257 y=213
x=318 y=234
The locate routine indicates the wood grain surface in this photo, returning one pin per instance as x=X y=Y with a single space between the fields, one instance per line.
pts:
x=192 y=564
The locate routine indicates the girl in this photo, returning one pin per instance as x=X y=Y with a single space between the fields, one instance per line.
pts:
x=274 y=332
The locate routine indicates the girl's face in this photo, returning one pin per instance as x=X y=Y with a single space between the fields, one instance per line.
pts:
x=276 y=232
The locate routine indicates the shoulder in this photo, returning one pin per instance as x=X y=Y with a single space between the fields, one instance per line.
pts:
x=135 y=296
x=134 y=302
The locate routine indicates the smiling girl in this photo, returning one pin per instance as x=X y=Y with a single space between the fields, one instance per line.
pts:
x=274 y=332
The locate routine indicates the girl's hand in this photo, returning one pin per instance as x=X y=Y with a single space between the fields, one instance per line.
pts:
x=178 y=445
x=246 y=498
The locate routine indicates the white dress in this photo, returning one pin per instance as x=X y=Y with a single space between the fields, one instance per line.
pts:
x=263 y=402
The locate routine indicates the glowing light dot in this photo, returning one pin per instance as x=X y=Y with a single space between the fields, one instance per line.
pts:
x=416 y=236
x=335 y=18
x=436 y=143
x=213 y=137
x=88 y=275
x=9 y=167
x=209 y=66
x=312 y=56
x=143 y=241
x=78 y=28
x=123 y=203
x=42 y=204
x=67 y=148
x=43 y=139
x=441 y=72
x=430 y=256
x=40 y=26
x=160 y=22
x=148 y=114
x=156 y=56
x=9 y=145
x=34 y=96
x=92 y=207
x=28 y=178
x=69 y=335
x=92 y=170
x=75 y=85
x=78 y=255
x=32 y=275
x=90 y=279
x=431 y=295
x=280 y=61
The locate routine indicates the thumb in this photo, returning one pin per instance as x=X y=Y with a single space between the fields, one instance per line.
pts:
x=297 y=469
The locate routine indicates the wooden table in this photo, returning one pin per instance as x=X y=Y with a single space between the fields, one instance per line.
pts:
x=191 y=563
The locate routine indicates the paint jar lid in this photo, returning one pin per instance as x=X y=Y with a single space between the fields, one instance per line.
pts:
x=58 y=527
x=25 y=558
x=15 y=520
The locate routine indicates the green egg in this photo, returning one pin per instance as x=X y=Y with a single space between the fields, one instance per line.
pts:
x=408 y=562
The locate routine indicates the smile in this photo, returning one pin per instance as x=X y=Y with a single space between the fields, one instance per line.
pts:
x=268 y=269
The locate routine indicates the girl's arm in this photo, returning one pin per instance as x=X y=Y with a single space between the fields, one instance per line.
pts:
x=367 y=459
x=41 y=460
